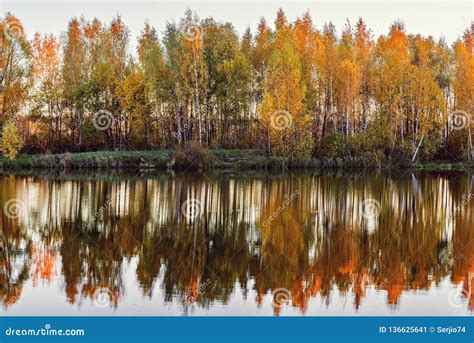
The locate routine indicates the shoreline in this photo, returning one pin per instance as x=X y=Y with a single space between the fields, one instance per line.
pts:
x=225 y=160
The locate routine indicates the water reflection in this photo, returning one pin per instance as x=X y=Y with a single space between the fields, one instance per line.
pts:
x=202 y=241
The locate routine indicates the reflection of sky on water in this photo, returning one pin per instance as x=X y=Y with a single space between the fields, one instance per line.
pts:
x=46 y=300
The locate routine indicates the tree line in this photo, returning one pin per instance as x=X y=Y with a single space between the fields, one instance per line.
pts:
x=288 y=89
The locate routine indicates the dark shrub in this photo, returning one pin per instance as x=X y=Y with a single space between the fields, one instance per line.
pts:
x=401 y=156
x=429 y=148
x=456 y=148
x=192 y=155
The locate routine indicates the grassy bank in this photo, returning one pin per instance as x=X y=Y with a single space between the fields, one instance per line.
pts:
x=212 y=159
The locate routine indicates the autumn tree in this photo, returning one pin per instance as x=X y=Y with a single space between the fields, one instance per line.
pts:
x=136 y=108
x=11 y=141
x=260 y=56
x=48 y=96
x=463 y=86
x=194 y=71
x=364 y=59
x=424 y=109
x=326 y=62
x=391 y=79
x=228 y=73
x=347 y=83
x=156 y=74
x=184 y=56
x=109 y=69
x=74 y=69
x=15 y=67
x=307 y=41
x=282 y=109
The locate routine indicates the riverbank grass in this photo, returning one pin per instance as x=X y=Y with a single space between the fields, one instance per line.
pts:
x=239 y=159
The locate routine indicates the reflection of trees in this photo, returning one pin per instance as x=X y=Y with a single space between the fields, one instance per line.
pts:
x=249 y=234
x=285 y=232
x=15 y=249
x=91 y=262
x=463 y=241
x=15 y=253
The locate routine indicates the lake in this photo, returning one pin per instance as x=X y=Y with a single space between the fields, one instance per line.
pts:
x=293 y=243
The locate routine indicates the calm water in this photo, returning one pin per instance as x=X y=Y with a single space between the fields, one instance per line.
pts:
x=195 y=244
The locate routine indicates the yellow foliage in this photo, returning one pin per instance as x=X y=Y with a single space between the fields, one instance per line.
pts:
x=11 y=141
x=282 y=109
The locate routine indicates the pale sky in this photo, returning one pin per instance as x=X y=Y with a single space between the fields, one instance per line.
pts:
x=446 y=19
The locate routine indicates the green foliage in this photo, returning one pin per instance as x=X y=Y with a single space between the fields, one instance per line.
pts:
x=11 y=141
x=377 y=137
x=303 y=148
x=333 y=145
x=430 y=147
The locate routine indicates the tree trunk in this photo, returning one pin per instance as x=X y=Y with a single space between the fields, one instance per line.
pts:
x=198 y=105
x=417 y=148
x=471 y=152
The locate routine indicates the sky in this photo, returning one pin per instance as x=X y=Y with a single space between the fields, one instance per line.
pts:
x=444 y=18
